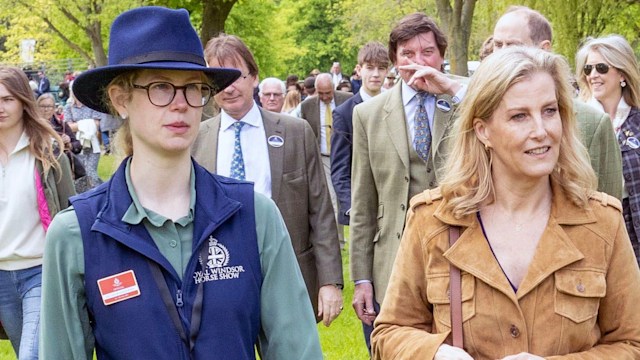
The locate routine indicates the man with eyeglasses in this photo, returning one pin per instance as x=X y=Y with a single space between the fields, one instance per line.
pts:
x=271 y=91
x=596 y=130
x=280 y=155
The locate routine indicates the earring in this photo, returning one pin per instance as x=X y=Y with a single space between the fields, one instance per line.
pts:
x=486 y=147
x=123 y=116
x=623 y=83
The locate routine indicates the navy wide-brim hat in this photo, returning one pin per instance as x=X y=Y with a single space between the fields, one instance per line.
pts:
x=149 y=37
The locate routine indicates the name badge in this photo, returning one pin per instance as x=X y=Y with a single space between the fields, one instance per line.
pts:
x=443 y=105
x=118 y=287
x=275 y=141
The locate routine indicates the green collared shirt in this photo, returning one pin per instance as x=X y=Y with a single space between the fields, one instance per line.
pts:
x=173 y=239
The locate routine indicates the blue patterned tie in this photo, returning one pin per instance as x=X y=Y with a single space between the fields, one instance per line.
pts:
x=237 y=163
x=422 y=136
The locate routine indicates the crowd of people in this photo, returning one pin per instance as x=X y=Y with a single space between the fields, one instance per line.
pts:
x=490 y=217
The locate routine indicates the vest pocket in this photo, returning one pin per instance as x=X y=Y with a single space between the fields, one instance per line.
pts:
x=438 y=296
x=578 y=293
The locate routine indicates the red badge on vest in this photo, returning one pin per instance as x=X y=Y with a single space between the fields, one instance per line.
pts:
x=118 y=287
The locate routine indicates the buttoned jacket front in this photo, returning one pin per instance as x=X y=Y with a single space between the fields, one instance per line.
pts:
x=380 y=181
x=579 y=296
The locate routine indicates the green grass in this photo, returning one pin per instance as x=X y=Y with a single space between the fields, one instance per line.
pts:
x=343 y=340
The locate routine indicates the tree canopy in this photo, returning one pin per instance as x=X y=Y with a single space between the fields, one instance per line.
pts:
x=295 y=36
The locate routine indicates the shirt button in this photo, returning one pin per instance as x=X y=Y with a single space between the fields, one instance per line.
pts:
x=428 y=170
x=402 y=207
x=515 y=332
x=406 y=178
x=431 y=184
x=398 y=235
x=173 y=243
x=580 y=288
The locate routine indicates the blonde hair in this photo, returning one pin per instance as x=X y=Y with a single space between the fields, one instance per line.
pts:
x=617 y=53
x=42 y=138
x=468 y=181
x=291 y=100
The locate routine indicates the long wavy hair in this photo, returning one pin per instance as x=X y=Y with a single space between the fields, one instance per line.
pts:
x=43 y=140
x=618 y=53
x=468 y=182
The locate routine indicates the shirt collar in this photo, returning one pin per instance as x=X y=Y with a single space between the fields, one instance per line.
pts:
x=364 y=95
x=408 y=93
x=22 y=143
x=252 y=118
x=137 y=213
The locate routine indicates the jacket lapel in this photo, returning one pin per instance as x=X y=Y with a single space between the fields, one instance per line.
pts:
x=209 y=135
x=273 y=127
x=441 y=123
x=393 y=116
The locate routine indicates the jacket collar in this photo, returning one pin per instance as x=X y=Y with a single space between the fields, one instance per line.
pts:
x=471 y=253
x=211 y=210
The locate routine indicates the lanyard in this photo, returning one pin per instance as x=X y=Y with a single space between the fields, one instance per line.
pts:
x=167 y=299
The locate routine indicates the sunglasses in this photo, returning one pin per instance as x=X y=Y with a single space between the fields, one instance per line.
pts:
x=601 y=68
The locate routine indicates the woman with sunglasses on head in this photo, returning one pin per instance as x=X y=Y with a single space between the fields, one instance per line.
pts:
x=35 y=183
x=609 y=79
x=166 y=260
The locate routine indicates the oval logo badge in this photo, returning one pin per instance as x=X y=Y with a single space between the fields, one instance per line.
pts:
x=443 y=105
x=633 y=143
x=275 y=141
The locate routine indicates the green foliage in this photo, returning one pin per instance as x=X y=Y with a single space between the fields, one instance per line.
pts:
x=261 y=26
x=319 y=31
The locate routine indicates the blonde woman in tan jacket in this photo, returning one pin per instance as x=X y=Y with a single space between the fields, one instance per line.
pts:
x=547 y=267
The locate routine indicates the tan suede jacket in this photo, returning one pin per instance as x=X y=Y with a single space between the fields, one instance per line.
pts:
x=580 y=298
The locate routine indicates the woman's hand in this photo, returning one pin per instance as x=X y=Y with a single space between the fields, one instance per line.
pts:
x=523 y=356
x=448 y=352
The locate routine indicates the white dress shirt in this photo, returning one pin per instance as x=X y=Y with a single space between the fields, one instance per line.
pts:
x=323 y=128
x=255 y=152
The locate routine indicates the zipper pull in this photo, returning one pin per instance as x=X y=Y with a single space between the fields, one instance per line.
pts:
x=179 y=302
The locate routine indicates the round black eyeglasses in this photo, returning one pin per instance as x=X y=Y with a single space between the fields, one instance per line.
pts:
x=162 y=93
x=601 y=68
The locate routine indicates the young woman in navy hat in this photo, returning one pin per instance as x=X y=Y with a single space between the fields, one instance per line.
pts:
x=166 y=260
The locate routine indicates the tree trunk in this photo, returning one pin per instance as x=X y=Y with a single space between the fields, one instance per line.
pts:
x=214 y=15
x=456 y=23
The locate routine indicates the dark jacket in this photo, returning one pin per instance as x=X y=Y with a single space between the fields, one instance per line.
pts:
x=341 y=148
x=213 y=313
x=63 y=128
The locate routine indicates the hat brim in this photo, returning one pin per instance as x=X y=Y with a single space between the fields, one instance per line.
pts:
x=89 y=86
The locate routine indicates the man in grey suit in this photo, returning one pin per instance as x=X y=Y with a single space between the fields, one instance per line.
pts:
x=280 y=155
x=387 y=169
x=317 y=110
x=596 y=130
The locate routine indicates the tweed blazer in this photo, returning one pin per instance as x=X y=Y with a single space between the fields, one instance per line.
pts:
x=299 y=189
x=579 y=296
x=380 y=181
x=631 y=166
x=310 y=109
x=597 y=135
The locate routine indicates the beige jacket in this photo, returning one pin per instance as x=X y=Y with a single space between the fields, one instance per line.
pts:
x=579 y=299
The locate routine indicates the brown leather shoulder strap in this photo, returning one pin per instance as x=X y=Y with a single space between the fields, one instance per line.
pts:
x=455 y=293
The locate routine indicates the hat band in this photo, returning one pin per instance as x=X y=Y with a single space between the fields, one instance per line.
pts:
x=164 y=56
